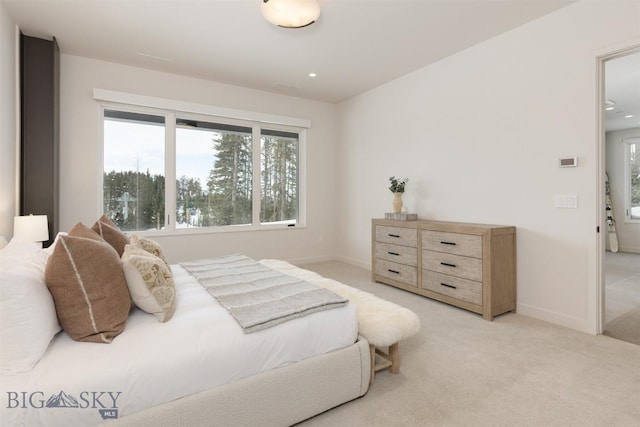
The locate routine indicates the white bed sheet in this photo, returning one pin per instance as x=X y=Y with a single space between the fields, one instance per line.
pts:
x=150 y=363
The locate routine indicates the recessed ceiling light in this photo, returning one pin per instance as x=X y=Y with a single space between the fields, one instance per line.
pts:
x=628 y=116
x=610 y=108
x=312 y=75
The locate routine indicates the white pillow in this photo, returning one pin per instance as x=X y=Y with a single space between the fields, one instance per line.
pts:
x=28 y=318
x=150 y=282
x=23 y=253
x=50 y=249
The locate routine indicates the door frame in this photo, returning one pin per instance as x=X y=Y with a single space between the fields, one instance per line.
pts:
x=627 y=48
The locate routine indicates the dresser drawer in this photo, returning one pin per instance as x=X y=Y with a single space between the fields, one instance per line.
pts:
x=455 y=287
x=396 y=253
x=472 y=266
x=452 y=243
x=400 y=272
x=397 y=235
x=453 y=265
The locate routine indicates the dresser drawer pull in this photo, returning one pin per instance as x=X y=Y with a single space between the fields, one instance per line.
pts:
x=447 y=264
x=393 y=271
x=448 y=286
x=394 y=253
x=394 y=235
x=449 y=243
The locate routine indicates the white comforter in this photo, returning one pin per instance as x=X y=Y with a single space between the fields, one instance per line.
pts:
x=150 y=363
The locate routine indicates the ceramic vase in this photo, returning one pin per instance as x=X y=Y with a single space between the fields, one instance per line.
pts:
x=397 y=203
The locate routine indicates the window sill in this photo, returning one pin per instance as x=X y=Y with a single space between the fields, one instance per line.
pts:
x=216 y=230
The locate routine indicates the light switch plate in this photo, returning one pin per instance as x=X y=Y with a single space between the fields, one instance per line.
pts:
x=566 y=201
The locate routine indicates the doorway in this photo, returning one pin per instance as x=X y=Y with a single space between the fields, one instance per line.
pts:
x=619 y=252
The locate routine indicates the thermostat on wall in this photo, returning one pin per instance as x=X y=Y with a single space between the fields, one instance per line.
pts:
x=568 y=162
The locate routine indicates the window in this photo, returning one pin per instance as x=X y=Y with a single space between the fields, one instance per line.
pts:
x=632 y=180
x=228 y=173
x=215 y=174
x=134 y=170
x=279 y=177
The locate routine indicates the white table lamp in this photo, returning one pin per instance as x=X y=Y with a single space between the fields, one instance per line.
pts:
x=31 y=227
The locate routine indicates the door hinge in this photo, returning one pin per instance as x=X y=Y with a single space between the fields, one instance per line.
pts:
x=597 y=229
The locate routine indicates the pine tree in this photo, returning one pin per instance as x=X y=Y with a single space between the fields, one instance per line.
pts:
x=230 y=181
x=134 y=200
x=279 y=179
x=189 y=197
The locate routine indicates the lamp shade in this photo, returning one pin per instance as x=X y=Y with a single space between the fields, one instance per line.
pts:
x=291 y=13
x=31 y=227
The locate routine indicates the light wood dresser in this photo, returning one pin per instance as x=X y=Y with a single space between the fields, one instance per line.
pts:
x=471 y=266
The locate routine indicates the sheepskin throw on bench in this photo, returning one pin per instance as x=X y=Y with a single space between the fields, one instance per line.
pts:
x=381 y=322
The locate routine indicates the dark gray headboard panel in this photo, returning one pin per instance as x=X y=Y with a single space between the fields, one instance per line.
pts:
x=39 y=129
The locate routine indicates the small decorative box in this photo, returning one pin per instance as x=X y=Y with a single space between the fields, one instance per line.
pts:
x=401 y=216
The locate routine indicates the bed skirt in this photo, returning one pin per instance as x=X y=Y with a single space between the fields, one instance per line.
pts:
x=281 y=397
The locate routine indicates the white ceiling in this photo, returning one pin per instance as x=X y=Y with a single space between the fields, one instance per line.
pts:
x=622 y=85
x=356 y=45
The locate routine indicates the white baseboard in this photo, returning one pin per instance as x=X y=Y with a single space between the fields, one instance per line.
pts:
x=329 y=258
x=629 y=249
x=311 y=260
x=365 y=265
x=555 y=318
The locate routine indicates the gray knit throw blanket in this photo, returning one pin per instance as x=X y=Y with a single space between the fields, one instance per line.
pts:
x=259 y=297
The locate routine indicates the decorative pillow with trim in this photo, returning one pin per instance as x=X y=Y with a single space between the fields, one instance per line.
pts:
x=111 y=233
x=150 y=246
x=150 y=282
x=85 y=277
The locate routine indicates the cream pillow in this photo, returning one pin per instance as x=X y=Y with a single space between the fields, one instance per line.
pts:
x=150 y=282
x=149 y=245
x=28 y=319
x=84 y=275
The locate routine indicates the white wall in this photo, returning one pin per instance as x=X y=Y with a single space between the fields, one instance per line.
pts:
x=628 y=232
x=479 y=135
x=7 y=123
x=81 y=152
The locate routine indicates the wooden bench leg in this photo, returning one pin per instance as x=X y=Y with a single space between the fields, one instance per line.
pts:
x=394 y=356
x=389 y=360
x=372 y=349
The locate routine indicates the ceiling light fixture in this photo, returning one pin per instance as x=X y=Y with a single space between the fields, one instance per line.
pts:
x=628 y=116
x=291 y=13
x=312 y=75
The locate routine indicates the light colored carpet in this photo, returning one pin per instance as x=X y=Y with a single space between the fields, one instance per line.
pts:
x=461 y=370
x=622 y=296
x=622 y=284
x=626 y=327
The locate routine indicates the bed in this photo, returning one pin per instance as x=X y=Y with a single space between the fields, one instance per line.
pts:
x=196 y=368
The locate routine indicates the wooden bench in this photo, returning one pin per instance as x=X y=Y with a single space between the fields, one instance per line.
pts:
x=383 y=323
